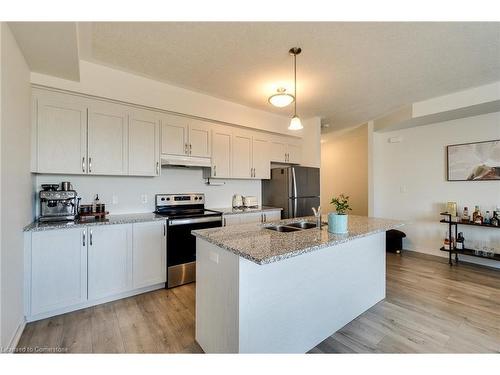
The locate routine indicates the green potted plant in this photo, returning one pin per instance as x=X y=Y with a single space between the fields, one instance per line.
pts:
x=338 y=220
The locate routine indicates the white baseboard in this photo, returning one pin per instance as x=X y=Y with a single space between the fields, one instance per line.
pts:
x=16 y=337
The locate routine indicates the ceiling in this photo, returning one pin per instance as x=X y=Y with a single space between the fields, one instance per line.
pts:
x=348 y=73
x=49 y=47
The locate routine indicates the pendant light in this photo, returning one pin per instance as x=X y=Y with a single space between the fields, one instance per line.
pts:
x=295 y=123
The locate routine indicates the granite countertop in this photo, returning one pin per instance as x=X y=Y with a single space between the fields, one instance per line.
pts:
x=260 y=245
x=110 y=220
x=233 y=211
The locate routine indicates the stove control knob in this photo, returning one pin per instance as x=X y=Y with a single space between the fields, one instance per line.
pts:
x=162 y=199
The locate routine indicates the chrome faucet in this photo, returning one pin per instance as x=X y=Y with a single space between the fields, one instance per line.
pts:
x=317 y=215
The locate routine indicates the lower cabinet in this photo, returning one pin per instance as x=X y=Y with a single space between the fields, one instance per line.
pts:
x=251 y=217
x=58 y=269
x=68 y=269
x=149 y=254
x=109 y=260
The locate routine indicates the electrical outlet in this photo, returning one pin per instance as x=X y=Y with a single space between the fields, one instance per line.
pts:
x=114 y=199
x=403 y=189
x=144 y=198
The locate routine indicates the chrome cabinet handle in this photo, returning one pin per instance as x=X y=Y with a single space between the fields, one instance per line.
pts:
x=90 y=165
x=164 y=230
x=185 y=148
x=157 y=168
x=90 y=238
x=83 y=164
x=215 y=170
x=83 y=238
x=190 y=149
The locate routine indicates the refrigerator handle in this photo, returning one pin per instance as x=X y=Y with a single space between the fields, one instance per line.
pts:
x=294 y=185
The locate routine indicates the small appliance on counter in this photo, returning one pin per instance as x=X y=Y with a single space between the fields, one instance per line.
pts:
x=94 y=211
x=57 y=205
x=237 y=201
x=250 y=201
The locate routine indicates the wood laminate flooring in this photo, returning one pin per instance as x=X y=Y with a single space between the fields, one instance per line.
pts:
x=430 y=308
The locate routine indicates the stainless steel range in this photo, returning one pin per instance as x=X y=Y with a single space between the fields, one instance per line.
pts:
x=184 y=213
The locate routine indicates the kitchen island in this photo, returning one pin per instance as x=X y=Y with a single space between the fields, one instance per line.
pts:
x=260 y=290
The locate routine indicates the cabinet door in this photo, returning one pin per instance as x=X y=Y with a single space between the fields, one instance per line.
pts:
x=149 y=254
x=61 y=134
x=260 y=158
x=221 y=153
x=271 y=215
x=228 y=220
x=174 y=135
x=109 y=260
x=294 y=153
x=249 y=218
x=242 y=155
x=107 y=139
x=277 y=150
x=199 y=139
x=58 y=269
x=143 y=144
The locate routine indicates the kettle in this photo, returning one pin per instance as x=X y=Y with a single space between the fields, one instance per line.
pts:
x=237 y=201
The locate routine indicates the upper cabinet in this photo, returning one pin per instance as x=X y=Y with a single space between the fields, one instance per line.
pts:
x=285 y=150
x=107 y=139
x=60 y=139
x=182 y=138
x=143 y=143
x=76 y=134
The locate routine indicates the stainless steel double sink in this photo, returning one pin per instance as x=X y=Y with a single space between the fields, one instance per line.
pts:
x=293 y=227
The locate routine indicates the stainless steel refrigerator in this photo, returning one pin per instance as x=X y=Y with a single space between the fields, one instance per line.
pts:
x=295 y=189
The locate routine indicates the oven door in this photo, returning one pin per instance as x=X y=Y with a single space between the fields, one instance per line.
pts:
x=181 y=247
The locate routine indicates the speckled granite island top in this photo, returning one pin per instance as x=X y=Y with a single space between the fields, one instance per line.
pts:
x=110 y=220
x=260 y=245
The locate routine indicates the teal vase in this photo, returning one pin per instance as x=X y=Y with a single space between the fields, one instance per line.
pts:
x=337 y=223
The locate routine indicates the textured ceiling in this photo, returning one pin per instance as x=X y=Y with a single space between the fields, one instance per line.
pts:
x=348 y=73
x=49 y=47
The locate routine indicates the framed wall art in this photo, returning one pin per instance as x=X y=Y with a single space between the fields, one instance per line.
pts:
x=478 y=161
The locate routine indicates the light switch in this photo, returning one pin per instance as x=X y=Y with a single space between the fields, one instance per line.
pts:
x=114 y=199
x=402 y=189
x=144 y=198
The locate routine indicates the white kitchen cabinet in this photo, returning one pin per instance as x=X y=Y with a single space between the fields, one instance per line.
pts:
x=174 y=135
x=228 y=220
x=199 y=139
x=58 y=269
x=143 y=143
x=60 y=139
x=294 y=153
x=242 y=154
x=278 y=151
x=260 y=157
x=107 y=139
x=149 y=253
x=285 y=150
x=109 y=260
x=251 y=217
x=271 y=216
x=221 y=152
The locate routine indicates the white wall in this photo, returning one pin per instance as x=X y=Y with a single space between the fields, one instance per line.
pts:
x=409 y=181
x=129 y=190
x=16 y=182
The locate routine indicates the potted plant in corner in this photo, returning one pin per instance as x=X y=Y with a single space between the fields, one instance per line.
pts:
x=337 y=221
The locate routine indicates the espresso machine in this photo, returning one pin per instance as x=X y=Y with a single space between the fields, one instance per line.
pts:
x=58 y=205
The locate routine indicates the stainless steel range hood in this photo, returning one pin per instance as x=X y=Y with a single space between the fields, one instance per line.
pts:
x=185 y=161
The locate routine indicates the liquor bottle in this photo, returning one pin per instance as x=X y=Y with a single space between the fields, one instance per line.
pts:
x=479 y=218
x=460 y=241
x=474 y=214
x=487 y=218
x=465 y=215
x=495 y=220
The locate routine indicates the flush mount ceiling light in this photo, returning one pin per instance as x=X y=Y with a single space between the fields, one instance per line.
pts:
x=281 y=99
x=295 y=123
